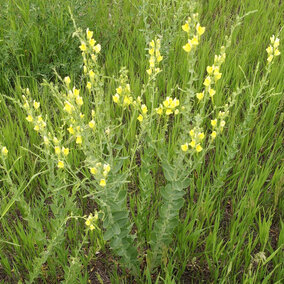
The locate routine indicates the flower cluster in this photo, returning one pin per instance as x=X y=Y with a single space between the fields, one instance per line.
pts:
x=72 y=107
x=90 y=51
x=34 y=115
x=123 y=96
x=272 y=49
x=218 y=123
x=92 y=220
x=213 y=75
x=155 y=57
x=197 y=136
x=143 y=109
x=89 y=45
x=60 y=152
x=194 y=31
x=168 y=107
x=100 y=172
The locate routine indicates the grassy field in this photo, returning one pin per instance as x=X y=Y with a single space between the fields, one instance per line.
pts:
x=116 y=176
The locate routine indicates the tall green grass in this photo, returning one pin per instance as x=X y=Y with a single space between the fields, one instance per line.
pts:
x=231 y=226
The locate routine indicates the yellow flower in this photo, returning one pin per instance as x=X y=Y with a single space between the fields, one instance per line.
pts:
x=140 y=117
x=89 y=85
x=222 y=123
x=214 y=122
x=60 y=165
x=65 y=151
x=151 y=51
x=184 y=147
x=92 y=227
x=92 y=42
x=201 y=135
x=169 y=111
x=187 y=47
x=127 y=100
x=152 y=43
x=144 y=109
x=276 y=52
x=76 y=92
x=269 y=49
x=167 y=101
x=192 y=143
x=88 y=222
x=79 y=139
x=36 y=105
x=191 y=133
x=71 y=129
x=92 y=124
x=207 y=81
x=200 y=30
x=149 y=71
x=276 y=43
x=93 y=170
x=57 y=150
x=83 y=46
x=185 y=27
x=195 y=41
x=176 y=111
x=213 y=134
x=82 y=115
x=212 y=92
x=272 y=39
x=198 y=148
x=4 y=151
x=36 y=128
x=217 y=75
x=107 y=167
x=102 y=182
x=67 y=80
x=209 y=69
x=200 y=96
x=92 y=74
x=94 y=57
x=97 y=48
x=159 y=110
x=119 y=90
x=29 y=118
x=79 y=101
x=115 y=98
x=89 y=33
x=269 y=59
x=68 y=107
x=159 y=58
x=26 y=105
